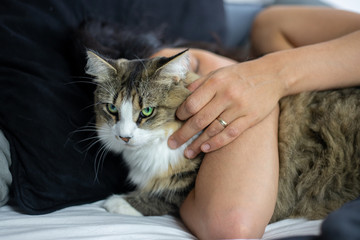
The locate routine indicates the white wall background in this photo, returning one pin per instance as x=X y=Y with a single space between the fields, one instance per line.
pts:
x=350 y=5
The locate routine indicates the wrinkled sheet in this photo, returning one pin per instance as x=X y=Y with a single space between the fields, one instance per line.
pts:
x=91 y=221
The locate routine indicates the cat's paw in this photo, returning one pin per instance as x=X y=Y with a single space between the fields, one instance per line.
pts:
x=117 y=204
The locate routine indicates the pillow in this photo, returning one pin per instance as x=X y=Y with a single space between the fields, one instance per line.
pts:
x=5 y=175
x=45 y=110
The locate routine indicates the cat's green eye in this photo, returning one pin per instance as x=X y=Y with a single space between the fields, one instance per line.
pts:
x=112 y=108
x=146 y=112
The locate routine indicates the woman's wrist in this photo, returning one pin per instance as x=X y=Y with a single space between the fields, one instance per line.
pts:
x=272 y=70
x=279 y=63
x=295 y=71
x=321 y=66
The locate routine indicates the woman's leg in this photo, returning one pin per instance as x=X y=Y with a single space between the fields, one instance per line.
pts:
x=285 y=27
x=236 y=188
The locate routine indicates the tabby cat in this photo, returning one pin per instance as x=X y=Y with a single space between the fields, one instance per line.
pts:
x=135 y=104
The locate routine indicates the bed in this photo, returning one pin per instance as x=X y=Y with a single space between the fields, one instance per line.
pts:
x=46 y=170
x=91 y=221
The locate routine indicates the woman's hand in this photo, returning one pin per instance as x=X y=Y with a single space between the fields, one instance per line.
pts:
x=241 y=95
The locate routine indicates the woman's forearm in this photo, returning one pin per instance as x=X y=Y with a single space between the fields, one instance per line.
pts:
x=327 y=65
x=326 y=45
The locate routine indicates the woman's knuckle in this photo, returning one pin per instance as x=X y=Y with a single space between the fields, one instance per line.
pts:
x=233 y=132
x=181 y=137
x=211 y=131
x=216 y=80
x=190 y=106
x=233 y=95
x=199 y=122
x=217 y=142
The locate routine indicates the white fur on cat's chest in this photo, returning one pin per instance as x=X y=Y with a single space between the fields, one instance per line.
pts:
x=151 y=160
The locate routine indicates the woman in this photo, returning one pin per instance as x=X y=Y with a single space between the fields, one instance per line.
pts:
x=306 y=49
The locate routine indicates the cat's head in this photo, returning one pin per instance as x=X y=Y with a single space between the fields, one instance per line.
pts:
x=136 y=100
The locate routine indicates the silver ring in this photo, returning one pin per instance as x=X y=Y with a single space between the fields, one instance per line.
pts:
x=222 y=122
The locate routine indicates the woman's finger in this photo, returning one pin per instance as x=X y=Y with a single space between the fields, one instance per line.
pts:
x=196 y=84
x=230 y=132
x=198 y=122
x=196 y=101
x=218 y=125
x=195 y=147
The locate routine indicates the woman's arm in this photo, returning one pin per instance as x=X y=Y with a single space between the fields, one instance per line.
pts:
x=236 y=188
x=244 y=94
x=328 y=65
x=327 y=42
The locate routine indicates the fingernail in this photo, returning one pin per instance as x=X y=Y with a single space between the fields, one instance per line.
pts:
x=189 y=153
x=172 y=143
x=205 y=147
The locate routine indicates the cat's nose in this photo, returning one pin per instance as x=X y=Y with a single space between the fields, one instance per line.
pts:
x=125 y=139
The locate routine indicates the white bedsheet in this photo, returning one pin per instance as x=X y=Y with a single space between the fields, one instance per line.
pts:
x=91 y=221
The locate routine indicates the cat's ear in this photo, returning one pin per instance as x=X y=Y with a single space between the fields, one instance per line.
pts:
x=98 y=67
x=175 y=67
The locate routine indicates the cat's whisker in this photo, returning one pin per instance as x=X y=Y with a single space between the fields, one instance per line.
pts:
x=87 y=82
x=84 y=129
x=90 y=145
x=108 y=88
x=89 y=124
x=87 y=128
x=88 y=139
x=83 y=77
x=96 y=178
x=91 y=105
x=102 y=158
x=99 y=159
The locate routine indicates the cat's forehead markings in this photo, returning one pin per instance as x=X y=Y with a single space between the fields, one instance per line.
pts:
x=118 y=98
x=130 y=80
x=136 y=100
x=115 y=98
